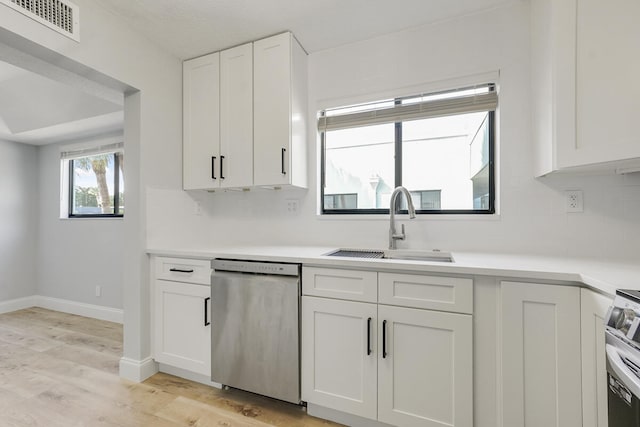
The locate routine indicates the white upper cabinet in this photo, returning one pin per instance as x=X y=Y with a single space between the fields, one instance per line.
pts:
x=236 y=116
x=586 y=95
x=201 y=128
x=279 y=105
x=245 y=117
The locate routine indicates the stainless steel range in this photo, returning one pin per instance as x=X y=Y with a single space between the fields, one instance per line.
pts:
x=623 y=359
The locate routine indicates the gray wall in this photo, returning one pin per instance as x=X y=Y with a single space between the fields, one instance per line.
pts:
x=75 y=255
x=19 y=204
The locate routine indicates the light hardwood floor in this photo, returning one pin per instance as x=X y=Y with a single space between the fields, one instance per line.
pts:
x=61 y=370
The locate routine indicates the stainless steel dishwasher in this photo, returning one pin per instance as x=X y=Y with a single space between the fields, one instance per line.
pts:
x=255 y=327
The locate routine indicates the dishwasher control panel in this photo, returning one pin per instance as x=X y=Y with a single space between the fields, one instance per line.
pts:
x=256 y=267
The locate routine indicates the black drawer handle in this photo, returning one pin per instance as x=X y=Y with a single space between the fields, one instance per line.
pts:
x=368 y=336
x=221 y=167
x=384 y=339
x=180 y=270
x=206 y=315
x=213 y=167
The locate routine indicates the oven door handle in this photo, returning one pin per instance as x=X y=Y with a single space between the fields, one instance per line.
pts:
x=625 y=375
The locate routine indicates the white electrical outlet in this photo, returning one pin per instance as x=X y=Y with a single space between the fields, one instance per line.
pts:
x=292 y=206
x=197 y=208
x=574 y=199
x=98 y=291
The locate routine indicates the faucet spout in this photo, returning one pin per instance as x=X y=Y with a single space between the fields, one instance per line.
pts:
x=393 y=209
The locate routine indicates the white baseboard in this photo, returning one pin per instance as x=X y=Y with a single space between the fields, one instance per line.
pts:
x=17 y=304
x=81 y=309
x=72 y=307
x=137 y=370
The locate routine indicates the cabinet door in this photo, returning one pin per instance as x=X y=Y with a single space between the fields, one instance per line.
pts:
x=182 y=339
x=541 y=384
x=272 y=109
x=585 y=102
x=607 y=89
x=201 y=127
x=425 y=368
x=593 y=308
x=236 y=116
x=339 y=355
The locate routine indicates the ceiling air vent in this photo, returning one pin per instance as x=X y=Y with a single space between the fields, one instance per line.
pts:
x=59 y=15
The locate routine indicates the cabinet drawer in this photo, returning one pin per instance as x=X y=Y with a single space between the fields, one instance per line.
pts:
x=337 y=283
x=184 y=270
x=430 y=292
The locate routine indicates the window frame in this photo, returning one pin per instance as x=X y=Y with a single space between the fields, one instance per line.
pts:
x=116 y=189
x=491 y=209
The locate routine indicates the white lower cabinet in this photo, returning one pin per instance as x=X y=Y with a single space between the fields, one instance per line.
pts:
x=425 y=372
x=338 y=370
x=541 y=372
x=181 y=314
x=397 y=365
x=593 y=308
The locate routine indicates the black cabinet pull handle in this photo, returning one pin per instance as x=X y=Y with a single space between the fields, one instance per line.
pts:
x=368 y=336
x=282 y=161
x=213 y=167
x=384 y=339
x=221 y=167
x=179 y=270
x=206 y=315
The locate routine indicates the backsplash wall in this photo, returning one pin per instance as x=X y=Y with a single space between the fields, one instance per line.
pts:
x=532 y=217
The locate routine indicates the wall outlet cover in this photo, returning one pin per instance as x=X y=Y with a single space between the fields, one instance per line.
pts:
x=292 y=206
x=574 y=200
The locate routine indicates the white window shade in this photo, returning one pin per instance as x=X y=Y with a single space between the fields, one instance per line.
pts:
x=439 y=107
x=91 y=151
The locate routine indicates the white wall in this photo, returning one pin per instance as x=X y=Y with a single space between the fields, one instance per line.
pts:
x=18 y=226
x=532 y=212
x=531 y=218
x=152 y=79
x=75 y=255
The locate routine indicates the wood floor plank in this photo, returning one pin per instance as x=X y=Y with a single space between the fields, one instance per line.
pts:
x=61 y=370
x=30 y=341
x=184 y=411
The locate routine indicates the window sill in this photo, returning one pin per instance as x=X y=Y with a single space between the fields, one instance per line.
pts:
x=419 y=218
x=100 y=217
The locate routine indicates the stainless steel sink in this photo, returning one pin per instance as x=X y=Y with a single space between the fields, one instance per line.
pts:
x=401 y=254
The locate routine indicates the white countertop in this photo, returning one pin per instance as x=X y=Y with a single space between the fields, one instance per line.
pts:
x=603 y=276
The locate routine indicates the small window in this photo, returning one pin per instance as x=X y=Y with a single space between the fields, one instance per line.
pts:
x=95 y=183
x=439 y=146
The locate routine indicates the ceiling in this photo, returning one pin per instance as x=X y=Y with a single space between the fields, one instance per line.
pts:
x=190 y=28
x=38 y=111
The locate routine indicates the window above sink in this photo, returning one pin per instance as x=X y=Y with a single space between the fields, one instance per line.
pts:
x=440 y=146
